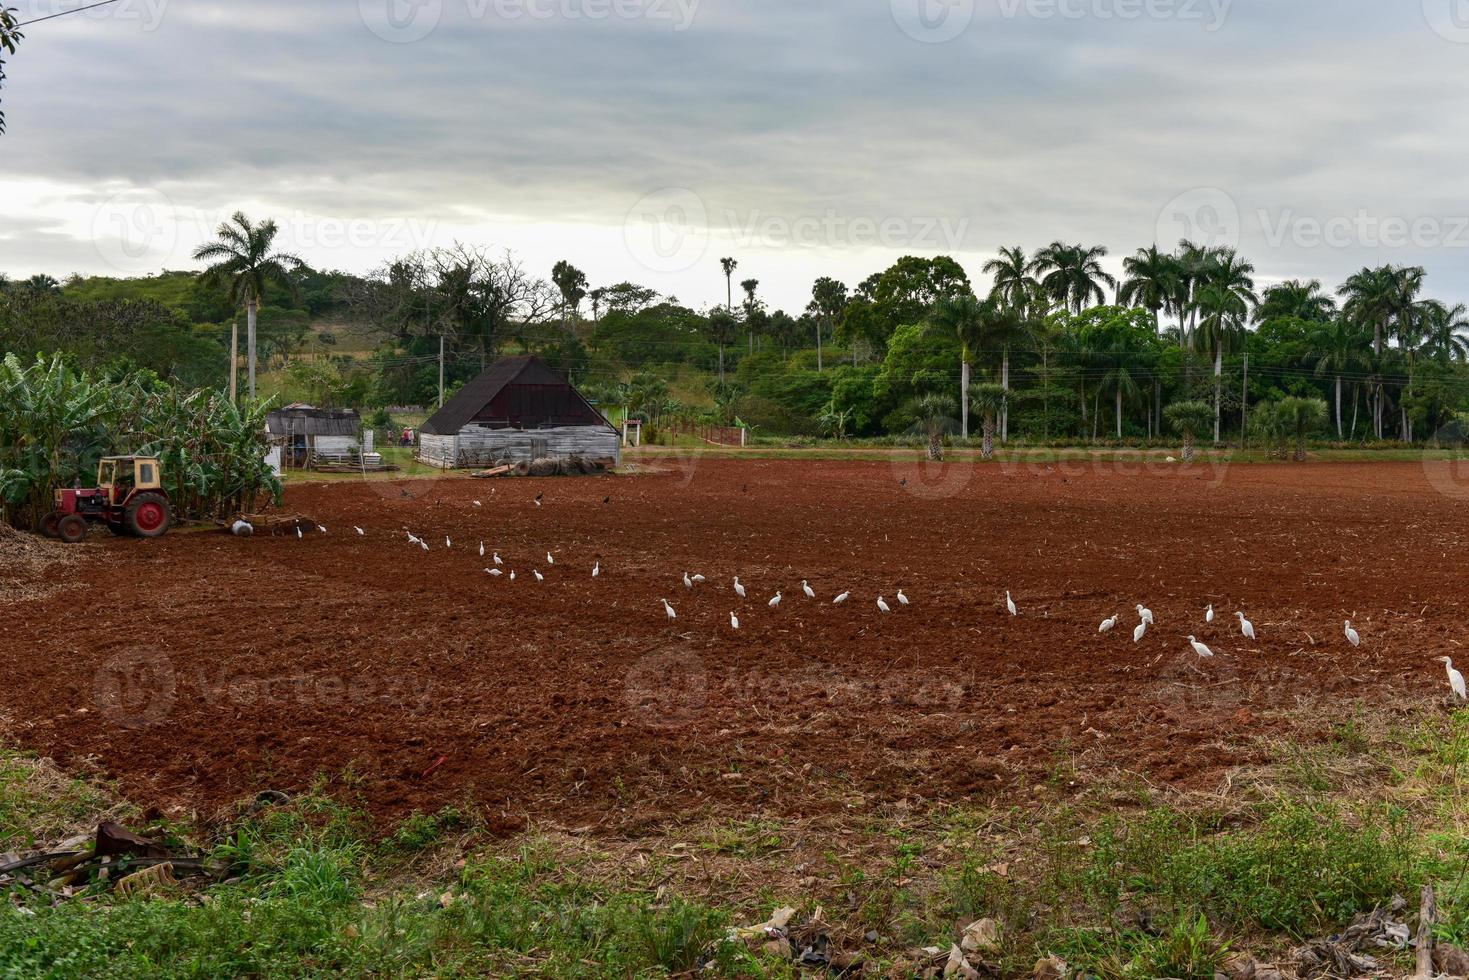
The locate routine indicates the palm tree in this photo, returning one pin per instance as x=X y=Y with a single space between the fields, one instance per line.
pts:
x=1189 y=418
x=729 y=266
x=989 y=400
x=1445 y=331
x=1120 y=362
x=1223 y=300
x=245 y=265
x=935 y=415
x=1341 y=346
x=1302 y=416
x=1190 y=264
x=42 y=283
x=1072 y=274
x=828 y=299
x=961 y=315
x=1150 y=280
x=1013 y=284
x=1294 y=298
x=723 y=329
x=1003 y=327
x=571 y=283
x=751 y=306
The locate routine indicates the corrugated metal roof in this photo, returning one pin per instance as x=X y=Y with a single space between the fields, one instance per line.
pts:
x=313 y=422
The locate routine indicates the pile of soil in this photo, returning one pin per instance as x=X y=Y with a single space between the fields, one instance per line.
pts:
x=32 y=567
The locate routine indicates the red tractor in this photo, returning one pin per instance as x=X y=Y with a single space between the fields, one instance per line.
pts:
x=129 y=498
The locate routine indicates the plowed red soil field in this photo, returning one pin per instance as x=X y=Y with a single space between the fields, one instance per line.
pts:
x=200 y=668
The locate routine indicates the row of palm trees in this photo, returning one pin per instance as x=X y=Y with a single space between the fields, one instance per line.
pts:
x=1210 y=296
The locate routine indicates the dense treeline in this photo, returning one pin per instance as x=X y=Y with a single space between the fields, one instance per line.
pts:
x=1075 y=351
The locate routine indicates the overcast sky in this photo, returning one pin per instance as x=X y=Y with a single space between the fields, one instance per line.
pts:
x=645 y=139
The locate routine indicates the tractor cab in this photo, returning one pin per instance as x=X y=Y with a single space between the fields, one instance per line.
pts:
x=119 y=476
x=129 y=498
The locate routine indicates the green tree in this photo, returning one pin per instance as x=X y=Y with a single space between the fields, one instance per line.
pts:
x=10 y=36
x=1223 y=302
x=724 y=328
x=934 y=414
x=962 y=316
x=989 y=401
x=1295 y=299
x=828 y=300
x=1189 y=419
x=1072 y=275
x=1150 y=279
x=1340 y=347
x=244 y=264
x=1301 y=417
x=571 y=283
x=1012 y=282
x=729 y=266
x=754 y=310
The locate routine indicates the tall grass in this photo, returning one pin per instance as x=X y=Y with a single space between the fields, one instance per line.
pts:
x=56 y=423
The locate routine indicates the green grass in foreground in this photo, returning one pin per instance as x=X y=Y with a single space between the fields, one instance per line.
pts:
x=1118 y=881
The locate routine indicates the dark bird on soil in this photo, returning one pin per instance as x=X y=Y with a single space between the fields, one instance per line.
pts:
x=607 y=500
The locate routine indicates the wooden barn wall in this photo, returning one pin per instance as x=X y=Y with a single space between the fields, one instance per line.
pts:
x=478 y=446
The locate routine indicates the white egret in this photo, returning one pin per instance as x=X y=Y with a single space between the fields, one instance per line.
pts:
x=698 y=578
x=688 y=583
x=358 y=530
x=447 y=542
x=1199 y=648
x=1456 y=679
x=1145 y=614
x=538 y=575
x=1010 y=605
x=1209 y=613
x=739 y=589
x=411 y=538
x=596 y=569
x=498 y=560
x=774 y=603
x=1108 y=625
x=494 y=571
x=481 y=549
x=512 y=575
x=478 y=504
x=298 y=532
x=882 y=605
x=810 y=592
x=550 y=560
x=667 y=609
x=902 y=598
x=841 y=598
x=321 y=528
x=1142 y=628
x=1245 y=626
x=423 y=544
x=1353 y=637
x=734 y=621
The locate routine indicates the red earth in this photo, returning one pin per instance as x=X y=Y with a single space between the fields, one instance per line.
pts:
x=200 y=668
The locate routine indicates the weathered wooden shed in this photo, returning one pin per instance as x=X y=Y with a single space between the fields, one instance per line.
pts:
x=518 y=410
x=309 y=435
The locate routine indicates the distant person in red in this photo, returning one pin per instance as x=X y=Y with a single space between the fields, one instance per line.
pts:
x=407 y=437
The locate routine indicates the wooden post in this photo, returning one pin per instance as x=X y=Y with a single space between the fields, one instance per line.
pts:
x=441 y=370
x=234 y=359
x=1427 y=912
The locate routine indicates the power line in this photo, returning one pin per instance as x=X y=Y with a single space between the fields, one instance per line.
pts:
x=77 y=10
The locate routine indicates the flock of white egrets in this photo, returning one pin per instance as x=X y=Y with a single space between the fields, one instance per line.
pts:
x=691 y=582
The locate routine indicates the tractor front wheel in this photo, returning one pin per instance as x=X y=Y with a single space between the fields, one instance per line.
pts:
x=50 y=522
x=147 y=515
x=72 y=529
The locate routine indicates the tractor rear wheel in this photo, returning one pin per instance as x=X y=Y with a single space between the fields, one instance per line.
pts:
x=147 y=515
x=72 y=529
x=49 y=523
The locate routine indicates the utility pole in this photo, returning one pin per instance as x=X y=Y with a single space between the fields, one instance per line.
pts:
x=234 y=360
x=1244 y=402
x=441 y=370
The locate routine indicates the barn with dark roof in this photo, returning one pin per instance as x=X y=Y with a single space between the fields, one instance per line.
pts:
x=518 y=410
